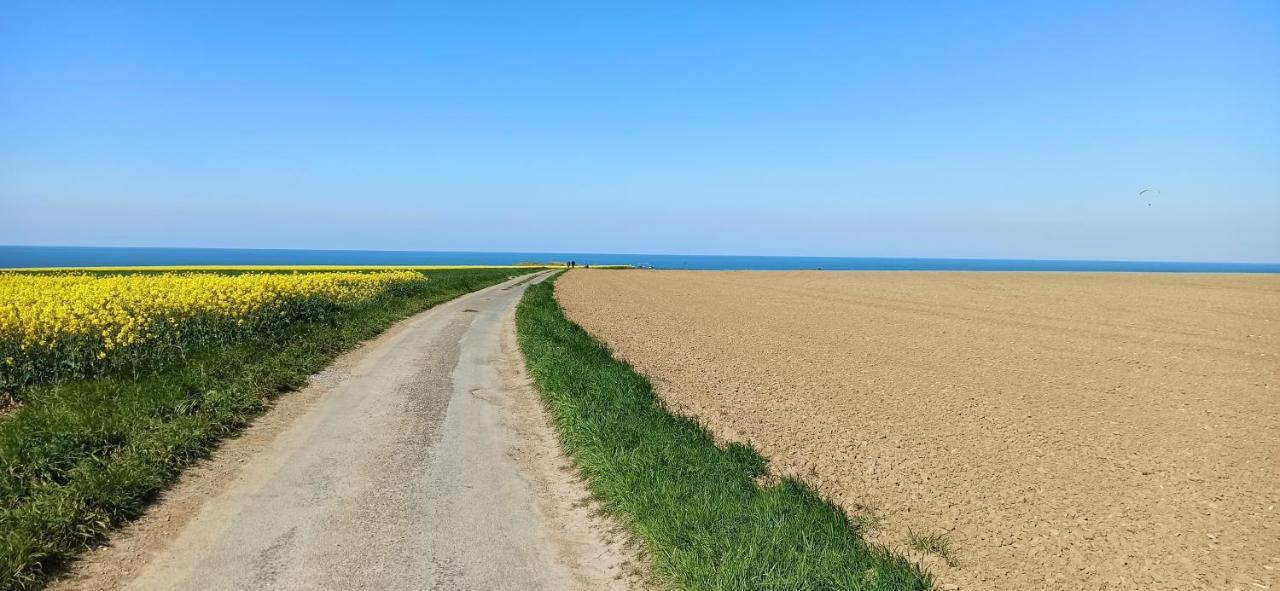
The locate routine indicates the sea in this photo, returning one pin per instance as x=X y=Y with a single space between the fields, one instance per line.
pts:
x=86 y=256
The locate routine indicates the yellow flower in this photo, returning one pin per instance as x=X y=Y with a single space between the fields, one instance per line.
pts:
x=60 y=320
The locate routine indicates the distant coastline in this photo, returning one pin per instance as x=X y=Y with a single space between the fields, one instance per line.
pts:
x=86 y=256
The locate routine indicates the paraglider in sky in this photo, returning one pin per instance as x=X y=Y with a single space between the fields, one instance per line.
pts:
x=1149 y=194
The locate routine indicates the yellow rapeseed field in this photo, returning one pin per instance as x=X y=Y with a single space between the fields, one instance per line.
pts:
x=59 y=325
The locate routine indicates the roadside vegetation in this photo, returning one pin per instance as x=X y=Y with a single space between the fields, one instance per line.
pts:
x=85 y=448
x=696 y=507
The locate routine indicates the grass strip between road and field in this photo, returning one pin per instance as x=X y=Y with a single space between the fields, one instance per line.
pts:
x=696 y=507
x=81 y=456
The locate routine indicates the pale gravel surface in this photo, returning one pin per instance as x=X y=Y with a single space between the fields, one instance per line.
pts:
x=1069 y=431
x=421 y=460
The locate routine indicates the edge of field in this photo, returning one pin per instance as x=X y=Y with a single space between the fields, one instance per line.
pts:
x=699 y=510
x=123 y=439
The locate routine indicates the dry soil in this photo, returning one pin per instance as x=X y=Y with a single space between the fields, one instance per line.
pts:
x=1063 y=431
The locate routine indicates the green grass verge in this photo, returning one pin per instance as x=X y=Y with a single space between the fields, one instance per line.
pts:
x=80 y=457
x=695 y=506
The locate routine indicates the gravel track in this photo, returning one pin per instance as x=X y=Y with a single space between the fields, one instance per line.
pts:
x=422 y=460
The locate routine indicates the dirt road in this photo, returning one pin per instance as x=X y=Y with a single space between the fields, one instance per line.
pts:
x=419 y=461
x=1061 y=430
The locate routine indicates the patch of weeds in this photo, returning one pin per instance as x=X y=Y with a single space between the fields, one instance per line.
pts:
x=937 y=544
x=864 y=519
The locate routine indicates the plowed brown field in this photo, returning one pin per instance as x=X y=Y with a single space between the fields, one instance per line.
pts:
x=1064 y=431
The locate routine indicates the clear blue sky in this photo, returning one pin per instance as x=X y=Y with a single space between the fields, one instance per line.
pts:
x=897 y=129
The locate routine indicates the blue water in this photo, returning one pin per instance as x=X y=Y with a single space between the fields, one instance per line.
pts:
x=77 y=256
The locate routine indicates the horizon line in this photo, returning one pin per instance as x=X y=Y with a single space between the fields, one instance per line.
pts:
x=763 y=256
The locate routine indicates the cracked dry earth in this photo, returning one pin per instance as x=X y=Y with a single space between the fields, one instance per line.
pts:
x=1064 y=431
